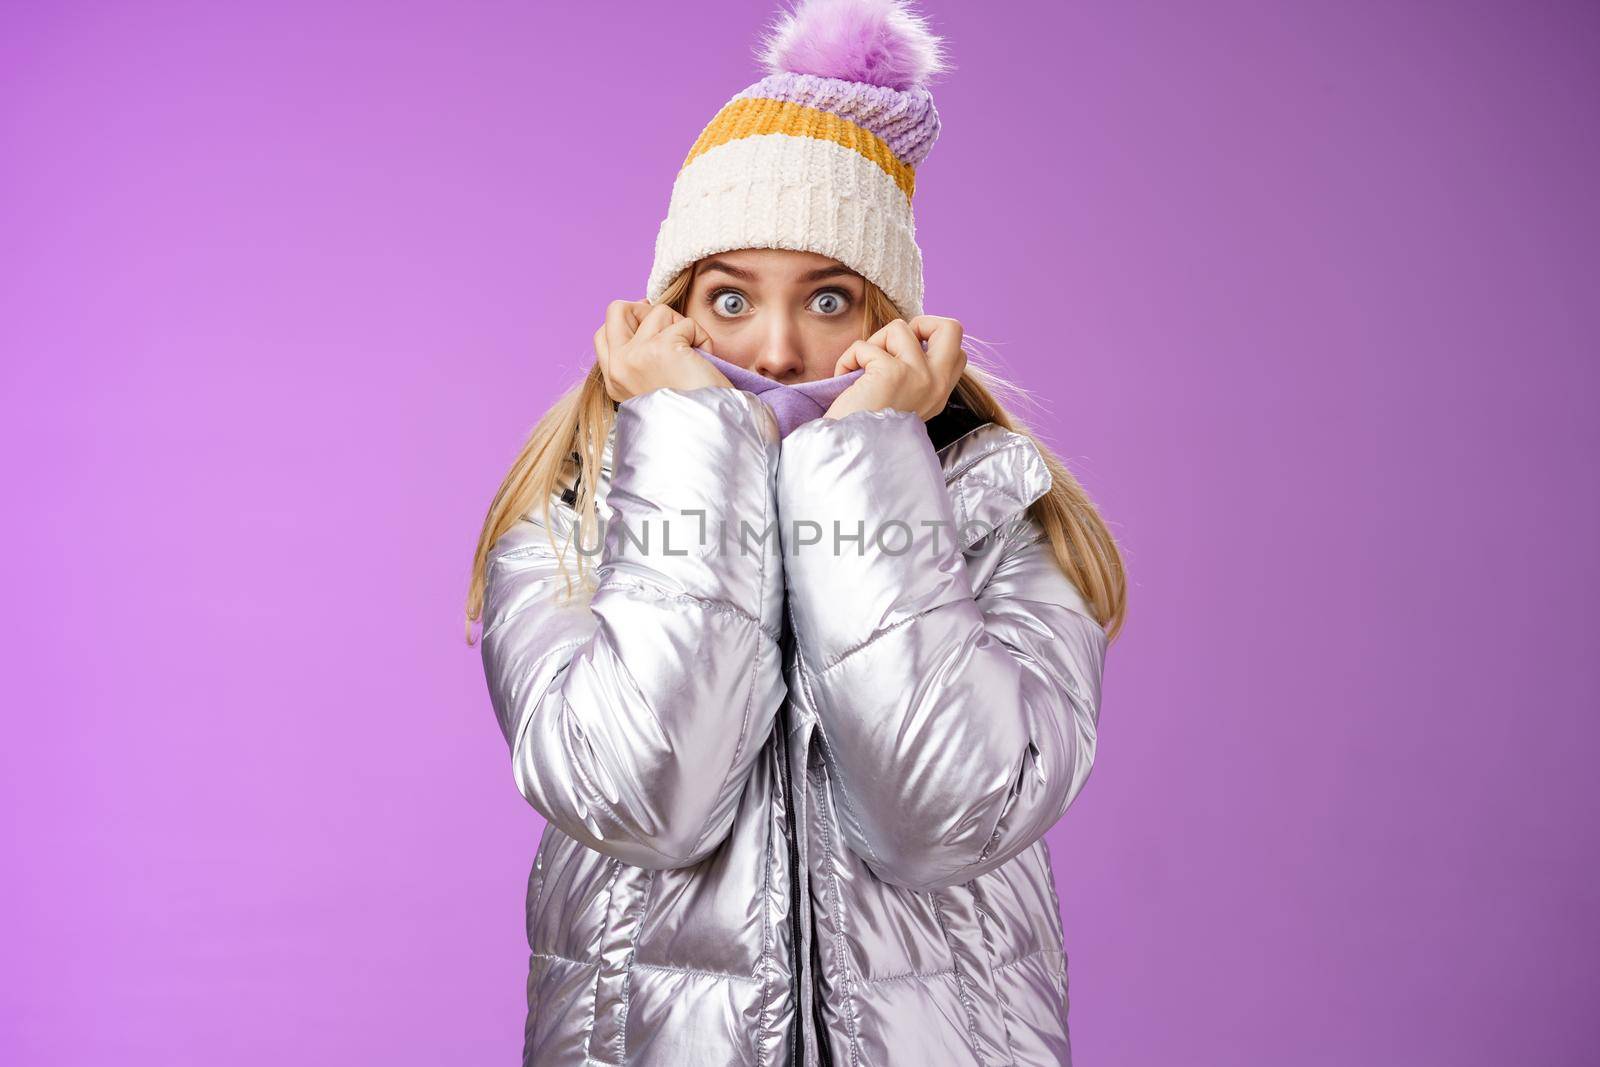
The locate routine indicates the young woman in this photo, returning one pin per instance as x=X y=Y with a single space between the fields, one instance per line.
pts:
x=797 y=698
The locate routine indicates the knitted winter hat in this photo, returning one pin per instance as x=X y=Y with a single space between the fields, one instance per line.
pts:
x=821 y=154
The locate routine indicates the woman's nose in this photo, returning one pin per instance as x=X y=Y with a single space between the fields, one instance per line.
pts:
x=780 y=358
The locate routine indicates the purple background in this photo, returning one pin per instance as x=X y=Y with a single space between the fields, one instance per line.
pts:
x=1308 y=293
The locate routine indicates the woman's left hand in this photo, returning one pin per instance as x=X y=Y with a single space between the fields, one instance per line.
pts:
x=899 y=374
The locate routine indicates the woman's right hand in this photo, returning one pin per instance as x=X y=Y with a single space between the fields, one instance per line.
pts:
x=643 y=346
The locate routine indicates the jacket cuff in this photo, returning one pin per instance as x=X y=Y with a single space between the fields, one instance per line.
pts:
x=869 y=532
x=691 y=493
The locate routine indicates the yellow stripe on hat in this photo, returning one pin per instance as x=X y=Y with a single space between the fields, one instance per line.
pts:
x=755 y=116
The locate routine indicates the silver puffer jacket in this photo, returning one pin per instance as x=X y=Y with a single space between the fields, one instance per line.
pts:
x=795 y=790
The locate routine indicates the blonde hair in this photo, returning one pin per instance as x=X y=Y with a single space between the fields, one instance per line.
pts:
x=572 y=434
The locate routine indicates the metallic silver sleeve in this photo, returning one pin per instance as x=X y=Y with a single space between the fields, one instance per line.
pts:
x=634 y=715
x=959 y=722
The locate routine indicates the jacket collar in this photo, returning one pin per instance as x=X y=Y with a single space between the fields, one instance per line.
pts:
x=991 y=473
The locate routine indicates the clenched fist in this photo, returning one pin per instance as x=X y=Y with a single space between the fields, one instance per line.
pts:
x=643 y=346
x=898 y=374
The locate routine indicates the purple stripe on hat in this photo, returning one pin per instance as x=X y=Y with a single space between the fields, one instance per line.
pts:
x=907 y=121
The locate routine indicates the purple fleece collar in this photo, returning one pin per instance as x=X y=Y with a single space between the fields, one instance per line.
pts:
x=795 y=405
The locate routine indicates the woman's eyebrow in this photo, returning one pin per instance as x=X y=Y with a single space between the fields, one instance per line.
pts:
x=828 y=272
x=751 y=276
x=729 y=268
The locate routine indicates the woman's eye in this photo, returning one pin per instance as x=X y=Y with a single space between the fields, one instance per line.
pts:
x=728 y=303
x=832 y=302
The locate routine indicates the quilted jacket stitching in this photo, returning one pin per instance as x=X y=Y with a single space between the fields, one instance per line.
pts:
x=766 y=964
x=847 y=993
x=628 y=968
x=964 y=488
x=641 y=585
x=948 y=972
x=716 y=606
x=1055 y=916
x=827 y=755
x=869 y=642
x=985 y=917
x=599 y=971
x=697 y=972
x=559 y=958
x=962 y=991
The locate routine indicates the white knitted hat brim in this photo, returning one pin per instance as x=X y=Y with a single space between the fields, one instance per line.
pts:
x=800 y=193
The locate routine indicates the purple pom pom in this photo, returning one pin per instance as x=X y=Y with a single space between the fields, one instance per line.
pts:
x=879 y=42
